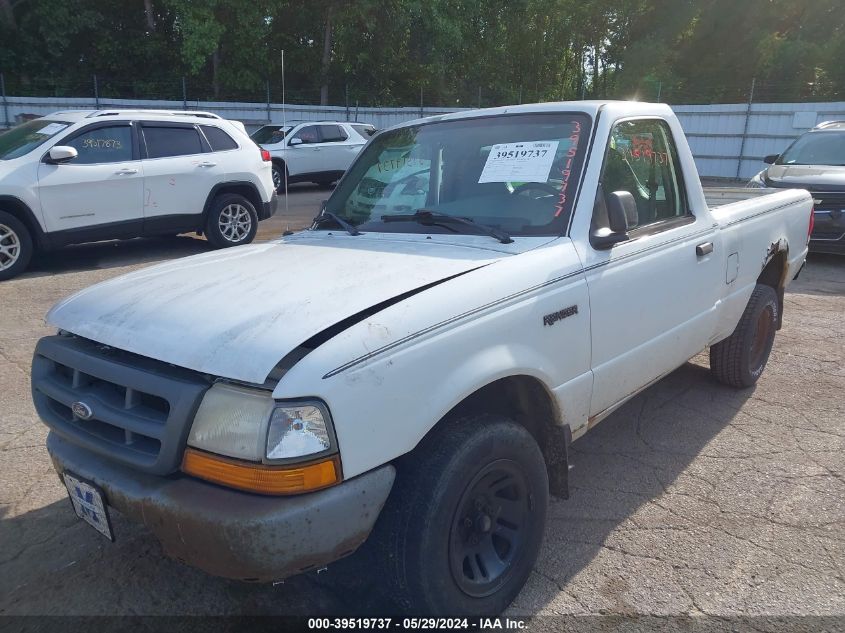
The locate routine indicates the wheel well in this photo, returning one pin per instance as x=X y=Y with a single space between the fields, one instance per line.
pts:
x=525 y=400
x=19 y=210
x=247 y=191
x=774 y=275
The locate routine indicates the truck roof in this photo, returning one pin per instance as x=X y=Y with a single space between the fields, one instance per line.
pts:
x=591 y=108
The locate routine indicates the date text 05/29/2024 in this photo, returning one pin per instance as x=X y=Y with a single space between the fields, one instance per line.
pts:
x=478 y=624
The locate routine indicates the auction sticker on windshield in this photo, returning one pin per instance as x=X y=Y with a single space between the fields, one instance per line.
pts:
x=520 y=162
x=53 y=128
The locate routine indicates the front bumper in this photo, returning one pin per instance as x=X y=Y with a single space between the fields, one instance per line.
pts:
x=268 y=209
x=234 y=534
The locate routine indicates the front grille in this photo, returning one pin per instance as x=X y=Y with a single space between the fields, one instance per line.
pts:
x=126 y=407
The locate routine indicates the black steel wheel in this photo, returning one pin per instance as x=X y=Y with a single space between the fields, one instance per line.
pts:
x=488 y=529
x=462 y=528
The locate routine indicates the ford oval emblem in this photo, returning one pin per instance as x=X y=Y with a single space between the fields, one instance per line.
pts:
x=81 y=410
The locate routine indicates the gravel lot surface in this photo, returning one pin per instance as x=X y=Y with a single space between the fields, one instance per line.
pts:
x=693 y=499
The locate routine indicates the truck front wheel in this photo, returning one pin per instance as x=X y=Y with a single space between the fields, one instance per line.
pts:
x=740 y=359
x=465 y=520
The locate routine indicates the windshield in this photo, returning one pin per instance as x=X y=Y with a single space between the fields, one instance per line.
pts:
x=25 y=137
x=270 y=134
x=816 y=148
x=517 y=173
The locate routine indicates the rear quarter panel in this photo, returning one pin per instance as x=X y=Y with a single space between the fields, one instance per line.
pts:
x=753 y=231
x=245 y=164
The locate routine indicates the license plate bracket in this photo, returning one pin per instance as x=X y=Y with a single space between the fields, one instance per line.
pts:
x=89 y=503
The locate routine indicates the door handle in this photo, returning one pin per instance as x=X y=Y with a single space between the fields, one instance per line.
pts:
x=208 y=164
x=126 y=172
x=704 y=249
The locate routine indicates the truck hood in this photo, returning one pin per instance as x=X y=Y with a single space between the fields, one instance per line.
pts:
x=237 y=313
x=818 y=177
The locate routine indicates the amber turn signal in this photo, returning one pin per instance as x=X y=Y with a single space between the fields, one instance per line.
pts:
x=260 y=478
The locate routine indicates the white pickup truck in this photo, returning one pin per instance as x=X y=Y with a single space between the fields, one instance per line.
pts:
x=410 y=372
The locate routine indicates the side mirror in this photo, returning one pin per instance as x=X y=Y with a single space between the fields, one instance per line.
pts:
x=61 y=154
x=770 y=159
x=622 y=211
x=622 y=214
x=294 y=142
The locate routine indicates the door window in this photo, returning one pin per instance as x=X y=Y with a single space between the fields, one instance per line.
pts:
x=308 y=134
x=111 y=144
x=364 y=130
x=641 y=159
x=171 y=141
x=332 y=134
x=218 y=139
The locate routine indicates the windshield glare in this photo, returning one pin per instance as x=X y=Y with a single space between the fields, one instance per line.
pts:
x=25 y=137
x=816 y=148
x=514 y=172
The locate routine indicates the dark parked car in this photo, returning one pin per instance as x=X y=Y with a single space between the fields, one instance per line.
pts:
x=816 y=162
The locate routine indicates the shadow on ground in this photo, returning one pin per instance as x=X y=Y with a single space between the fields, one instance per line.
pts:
x=114 y=254
x=822 y=276
x=60 y=565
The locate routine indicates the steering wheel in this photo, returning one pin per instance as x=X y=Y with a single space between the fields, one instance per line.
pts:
x=543 y=187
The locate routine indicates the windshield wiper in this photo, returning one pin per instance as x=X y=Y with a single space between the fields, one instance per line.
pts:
x=346 y=226
x=428 y=217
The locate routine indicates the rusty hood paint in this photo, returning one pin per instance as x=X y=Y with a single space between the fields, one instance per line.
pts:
x=236 y=313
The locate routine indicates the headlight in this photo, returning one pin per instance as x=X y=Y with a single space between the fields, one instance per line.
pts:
x=248 y=424
x=231 y=421
x=298 y=430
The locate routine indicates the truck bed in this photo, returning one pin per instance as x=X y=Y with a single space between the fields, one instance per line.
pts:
x=720 y=196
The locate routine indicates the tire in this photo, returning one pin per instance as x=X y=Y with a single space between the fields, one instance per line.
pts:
x=739 y=360
x=232 y=221
x=16 y=246
x=279 y=174
x=462 y=528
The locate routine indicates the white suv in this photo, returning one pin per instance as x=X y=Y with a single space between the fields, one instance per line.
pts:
x=312 y=151
x=83 y=176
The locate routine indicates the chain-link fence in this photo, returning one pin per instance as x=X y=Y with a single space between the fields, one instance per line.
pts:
x=727 y=138
x=348 y=92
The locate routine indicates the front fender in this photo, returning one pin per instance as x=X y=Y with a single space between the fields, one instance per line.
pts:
x=389 y=379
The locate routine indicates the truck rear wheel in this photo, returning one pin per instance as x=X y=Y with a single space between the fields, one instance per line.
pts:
x=15 y=246
x=740 y=359
x=464 y=523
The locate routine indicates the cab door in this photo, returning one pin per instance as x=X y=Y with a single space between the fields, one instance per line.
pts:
x=337 y=149
x=303 y=155
x=179 y=173
x=652 y=297
x=100 y=190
